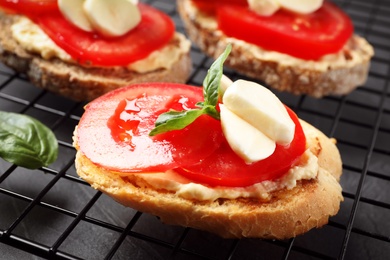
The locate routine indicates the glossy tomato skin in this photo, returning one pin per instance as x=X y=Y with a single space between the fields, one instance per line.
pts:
x=114 y=133
x=29 y=7
x=155 y=30
x=114 y=130
x=211 y=6
x=307 y=37
x=225 y=168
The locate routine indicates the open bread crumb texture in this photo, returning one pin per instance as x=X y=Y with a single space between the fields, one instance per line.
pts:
x=51 y=213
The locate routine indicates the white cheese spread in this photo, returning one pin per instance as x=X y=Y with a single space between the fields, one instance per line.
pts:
x=164 y=58
x=173 y=182
x=31 y=37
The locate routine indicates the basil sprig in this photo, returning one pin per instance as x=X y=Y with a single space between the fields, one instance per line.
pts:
x=26 y=142
x=176 y=120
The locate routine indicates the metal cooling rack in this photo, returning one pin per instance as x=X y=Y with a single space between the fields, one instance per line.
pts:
x=51 y=214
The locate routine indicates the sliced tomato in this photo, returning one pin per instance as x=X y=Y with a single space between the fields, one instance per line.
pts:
x=119 y=123
x=225 y=168
x=304 y=36
x=155 y=30
x=114 y=130
x=29 y=7
x=211 y=6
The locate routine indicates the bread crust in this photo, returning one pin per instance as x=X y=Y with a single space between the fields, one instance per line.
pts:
x=328 y=76
x=287 y=214
x=76 y=82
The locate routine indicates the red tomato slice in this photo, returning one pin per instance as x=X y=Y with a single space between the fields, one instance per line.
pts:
x=154 y=31
x=211 y=6
x=225 y=168
x=304 y=36
x=114 y=130
x=29 y=7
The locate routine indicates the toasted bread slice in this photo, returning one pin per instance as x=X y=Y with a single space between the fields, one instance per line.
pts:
x=287 y=213
x=336 y=74
x=80 y=82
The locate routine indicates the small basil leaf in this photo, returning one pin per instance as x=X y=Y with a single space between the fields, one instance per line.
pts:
x=212 y=111
x=175 y=120
x=26 y=142
x=200 y=104
x=213 y=78
x=165 y=117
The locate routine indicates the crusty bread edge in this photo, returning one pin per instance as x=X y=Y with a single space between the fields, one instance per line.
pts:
x=288 y=214
x=76 y=82
x=314 y=78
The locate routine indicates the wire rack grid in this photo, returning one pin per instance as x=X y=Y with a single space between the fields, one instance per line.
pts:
x=50 y=213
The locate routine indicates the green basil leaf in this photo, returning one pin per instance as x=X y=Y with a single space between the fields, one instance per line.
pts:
x=213 y=78
x=212 y=111
x=175 y=120
x=199 y=104
x=26 y=142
